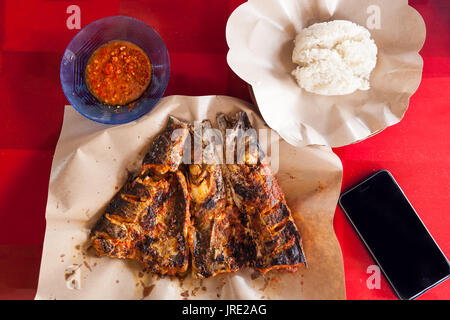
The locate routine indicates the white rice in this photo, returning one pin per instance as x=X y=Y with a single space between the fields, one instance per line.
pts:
x=334 y=58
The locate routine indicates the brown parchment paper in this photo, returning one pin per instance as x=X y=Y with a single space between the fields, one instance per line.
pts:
x=260 y=36
x=90 y=165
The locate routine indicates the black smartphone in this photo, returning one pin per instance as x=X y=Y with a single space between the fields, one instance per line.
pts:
x=395 y=236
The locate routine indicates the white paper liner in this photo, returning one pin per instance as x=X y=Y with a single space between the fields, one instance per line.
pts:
x=90 y=164
x=260 y=36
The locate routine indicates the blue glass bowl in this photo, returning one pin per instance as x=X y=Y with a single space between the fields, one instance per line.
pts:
x=93 y=36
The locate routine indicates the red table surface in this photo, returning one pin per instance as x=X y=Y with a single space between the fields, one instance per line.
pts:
x=33 y=36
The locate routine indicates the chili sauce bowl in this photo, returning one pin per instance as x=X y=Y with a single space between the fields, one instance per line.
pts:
x=89 y=39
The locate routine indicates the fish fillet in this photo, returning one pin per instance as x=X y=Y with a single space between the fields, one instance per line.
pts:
x=148 y=219
x=272 y=240
x=213 y=218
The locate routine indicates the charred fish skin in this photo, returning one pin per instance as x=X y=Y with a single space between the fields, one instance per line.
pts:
x=163 y=248
x=212 y=225
x=272 y=238
x=116 y=232
x=148 y=219
x=166 y=152
x=243 y=246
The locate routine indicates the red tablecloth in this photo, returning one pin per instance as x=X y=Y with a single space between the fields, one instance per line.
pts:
x=33 y=36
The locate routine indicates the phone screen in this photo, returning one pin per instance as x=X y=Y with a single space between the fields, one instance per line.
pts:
x=395 y=236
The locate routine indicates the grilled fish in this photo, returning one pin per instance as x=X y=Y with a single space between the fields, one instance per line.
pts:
x=213 y=218
x=271 y=239
x=148 y=219
x=226 y=216
x=166 y=152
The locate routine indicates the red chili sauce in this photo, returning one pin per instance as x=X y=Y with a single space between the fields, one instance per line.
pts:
x=118 y=73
